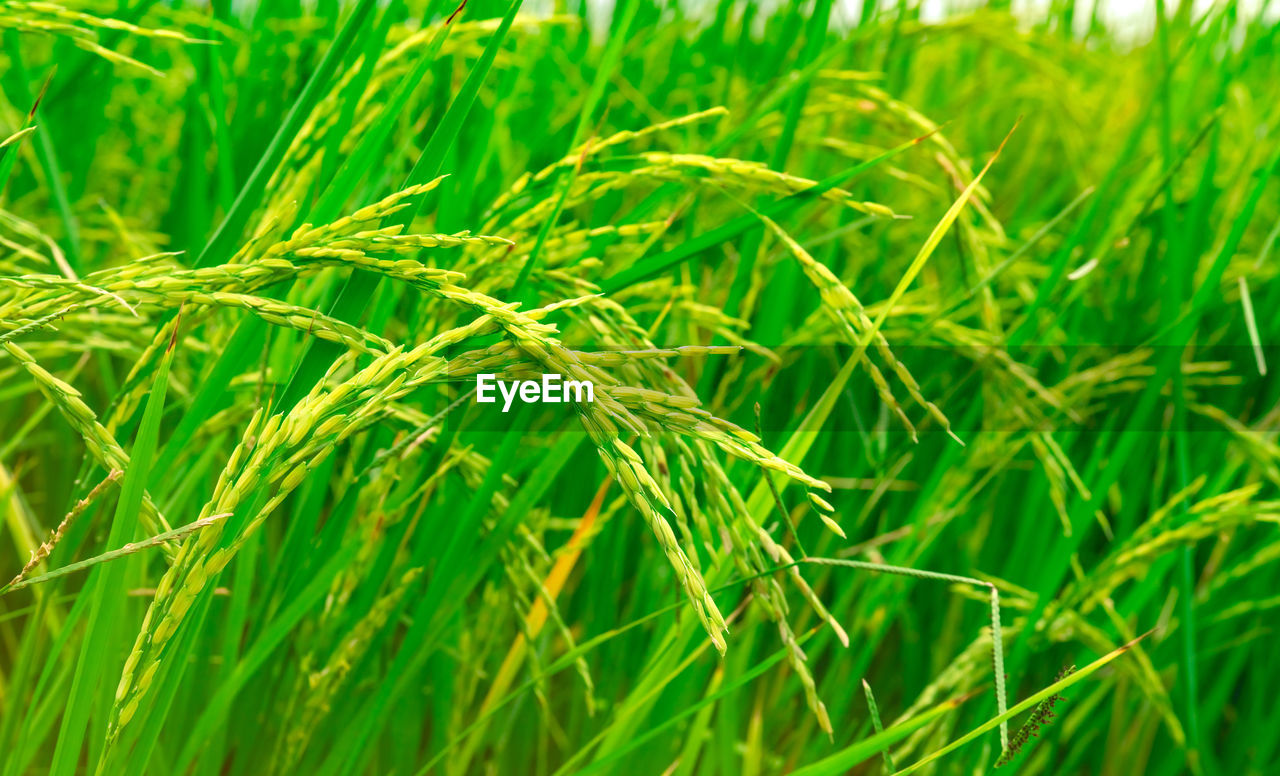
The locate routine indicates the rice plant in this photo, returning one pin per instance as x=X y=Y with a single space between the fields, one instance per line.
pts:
x=905 y=349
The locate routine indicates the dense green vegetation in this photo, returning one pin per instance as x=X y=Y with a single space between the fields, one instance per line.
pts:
x=933 y=428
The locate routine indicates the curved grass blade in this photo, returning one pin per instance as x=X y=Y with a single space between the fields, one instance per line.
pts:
x=850 y=756
x=738 y=682
x=1025 y=705
x=128 y=549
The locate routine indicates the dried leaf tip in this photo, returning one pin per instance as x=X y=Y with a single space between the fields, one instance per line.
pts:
x=173 y=338
x=43 y=90
x=455 y=13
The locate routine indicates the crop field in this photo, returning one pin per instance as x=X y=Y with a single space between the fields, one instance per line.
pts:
x=638 y=387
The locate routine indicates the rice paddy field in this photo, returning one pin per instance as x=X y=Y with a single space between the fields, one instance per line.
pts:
x=933 y=427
